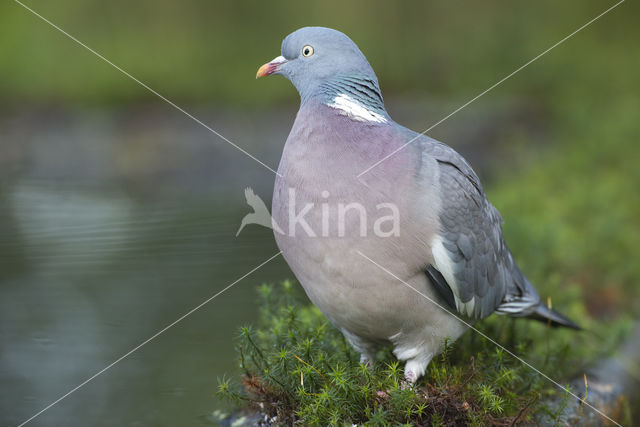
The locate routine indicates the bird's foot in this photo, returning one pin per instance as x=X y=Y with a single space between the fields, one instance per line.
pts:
x=409 y=382
x=414 y=369
x=411 y=377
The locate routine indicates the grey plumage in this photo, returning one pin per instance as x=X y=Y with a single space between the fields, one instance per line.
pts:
x=484 y=272
x=451 y=248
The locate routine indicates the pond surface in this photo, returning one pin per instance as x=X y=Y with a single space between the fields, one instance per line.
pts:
x=114 y=225
x=90 y=276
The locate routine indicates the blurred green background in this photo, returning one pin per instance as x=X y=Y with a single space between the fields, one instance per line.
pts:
x=118 y=213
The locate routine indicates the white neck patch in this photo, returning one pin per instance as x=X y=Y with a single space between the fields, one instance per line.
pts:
x=353 y=109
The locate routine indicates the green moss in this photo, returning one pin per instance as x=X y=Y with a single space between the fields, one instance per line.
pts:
x=296 y=366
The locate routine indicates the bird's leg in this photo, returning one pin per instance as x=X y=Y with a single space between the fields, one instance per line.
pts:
x=368 y=359
x=367 y=349
x=415 y=368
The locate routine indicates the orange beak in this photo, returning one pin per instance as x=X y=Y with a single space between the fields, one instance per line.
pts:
x=271 y=67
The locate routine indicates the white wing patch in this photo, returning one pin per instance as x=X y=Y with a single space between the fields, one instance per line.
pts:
x=445 y=266
x=467 y=307
x=353 y=109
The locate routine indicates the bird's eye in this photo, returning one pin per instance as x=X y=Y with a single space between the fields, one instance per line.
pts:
x=307 y=51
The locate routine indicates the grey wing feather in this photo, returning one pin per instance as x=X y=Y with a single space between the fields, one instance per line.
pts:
x=471 y=252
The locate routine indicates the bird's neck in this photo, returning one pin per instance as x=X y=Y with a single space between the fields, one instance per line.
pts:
x=356 y=96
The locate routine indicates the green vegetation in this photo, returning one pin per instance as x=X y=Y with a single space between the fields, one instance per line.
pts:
x=572 y=216
x=208 y=52
x=298 y=367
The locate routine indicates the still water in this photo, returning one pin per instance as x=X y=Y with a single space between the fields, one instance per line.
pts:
x=88 y=276
x=110 y=229
x=115 y=224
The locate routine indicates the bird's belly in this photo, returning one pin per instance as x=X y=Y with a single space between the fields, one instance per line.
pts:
x=344 y=288
x=355 y=283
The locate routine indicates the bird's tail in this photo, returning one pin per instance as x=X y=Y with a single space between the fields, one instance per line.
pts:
x=542 y=313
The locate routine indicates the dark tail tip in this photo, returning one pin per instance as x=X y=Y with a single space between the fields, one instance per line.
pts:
x=555 y=319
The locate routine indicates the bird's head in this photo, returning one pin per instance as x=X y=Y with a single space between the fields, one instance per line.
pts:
x=312 y=56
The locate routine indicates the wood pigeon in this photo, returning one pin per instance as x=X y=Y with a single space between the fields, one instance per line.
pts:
x=420 y=214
